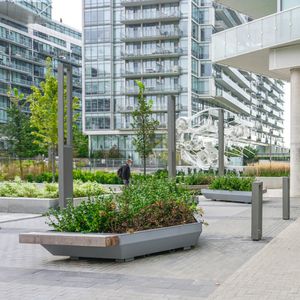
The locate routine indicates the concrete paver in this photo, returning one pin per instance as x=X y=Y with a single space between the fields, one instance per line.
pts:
x=30 y=272
x=273 y=273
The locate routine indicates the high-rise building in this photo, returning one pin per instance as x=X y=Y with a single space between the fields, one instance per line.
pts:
x=28 y=36
x=270 y=46
x=167 y=45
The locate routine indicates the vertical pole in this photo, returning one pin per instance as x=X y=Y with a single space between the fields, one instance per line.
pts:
x=256 y=212
x=221 y=142
x=60 y=79
x=69 y=105
x=171 y=136
x=285 y=198
x=65 y=151
x=294 y=134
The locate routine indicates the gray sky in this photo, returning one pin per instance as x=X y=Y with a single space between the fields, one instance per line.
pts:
x=70 y=12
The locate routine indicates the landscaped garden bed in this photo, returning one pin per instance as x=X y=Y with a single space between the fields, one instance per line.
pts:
x=151 y=215
x=233 y=189
x=23 y=197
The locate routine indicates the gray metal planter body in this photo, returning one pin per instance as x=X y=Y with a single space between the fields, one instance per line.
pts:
x=131 y=245
x=232 y=196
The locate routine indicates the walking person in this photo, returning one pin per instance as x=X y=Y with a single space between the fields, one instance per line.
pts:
x=124 y=172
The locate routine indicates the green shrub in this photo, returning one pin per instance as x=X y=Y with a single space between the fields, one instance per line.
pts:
x=48 y=190
x=196 y=179
x=231 y=183
x=145 y=204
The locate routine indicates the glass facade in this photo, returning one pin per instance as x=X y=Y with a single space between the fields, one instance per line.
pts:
x=43 y=7
x=165 y=44
x=24 y=49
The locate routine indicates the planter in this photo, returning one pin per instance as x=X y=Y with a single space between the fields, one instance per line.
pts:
x=232 y=196
x=27 y=205
x=125 y=246
x=32 y=205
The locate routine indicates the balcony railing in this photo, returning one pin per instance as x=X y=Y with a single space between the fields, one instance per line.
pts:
x=176 y=70
x=144 y=2
x=156 y=89
x=144 y=17
x=155 y=52
x=267 y=32
x=158 y=34
x=232 y=101
x=233 y=85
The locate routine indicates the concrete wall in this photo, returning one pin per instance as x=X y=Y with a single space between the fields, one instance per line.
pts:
x=27 y=205
x=271 y=182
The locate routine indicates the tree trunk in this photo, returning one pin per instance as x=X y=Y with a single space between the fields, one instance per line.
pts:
x=21 y=168
x=53 y=164
x=145 y=165
x=51 y=159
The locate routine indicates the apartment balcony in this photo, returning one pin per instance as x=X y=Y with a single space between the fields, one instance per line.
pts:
x=3 y=92
x=22 y=82
x=276 y=114
x=157 y=53
x=248 y=46
x=150 y=18
x=158 y=89
x=232 y=103
x=28 y=57
x=12 y=39
x=158 y=35
x=150 y=72
x=130 y=3
x=4 y=79
x=226 y=81
x=239 y=77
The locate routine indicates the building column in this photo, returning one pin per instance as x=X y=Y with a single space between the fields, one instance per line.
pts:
x=295 y=133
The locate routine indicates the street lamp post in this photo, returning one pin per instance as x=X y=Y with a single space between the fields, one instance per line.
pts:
x=221 y=143
x=65 y=148
x=172 y=136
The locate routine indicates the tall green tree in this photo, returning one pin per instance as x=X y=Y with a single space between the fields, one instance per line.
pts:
x=17 y=130
x=44 y=113
x=81 y=143
x=144 y=126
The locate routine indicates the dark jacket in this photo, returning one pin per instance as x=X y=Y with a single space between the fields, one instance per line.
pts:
x=126 y=172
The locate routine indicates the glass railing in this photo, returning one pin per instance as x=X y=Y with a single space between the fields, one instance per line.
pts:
x=172 y=70
x=270 y=31
x=155 y=34
x=162 y=51
x=157 y=88
x=154 y=15
x=3 y=91
x=22 y=81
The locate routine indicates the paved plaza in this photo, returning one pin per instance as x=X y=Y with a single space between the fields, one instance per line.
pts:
x=226 y=264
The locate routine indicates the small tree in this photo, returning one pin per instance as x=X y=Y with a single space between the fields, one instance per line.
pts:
x=144 y=126
x=44 y=109
x=81 y=143
x=17 y=130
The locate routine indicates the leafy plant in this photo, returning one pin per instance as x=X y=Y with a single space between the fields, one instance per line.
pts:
x=145 y=204
x=144 y=126
x=17 y=129
x=44 y=109
x=231 y=183
x=18 y=188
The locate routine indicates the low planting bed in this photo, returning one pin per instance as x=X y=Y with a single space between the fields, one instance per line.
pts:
x=150 y=216
x=232 y=189
x=23 y=197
